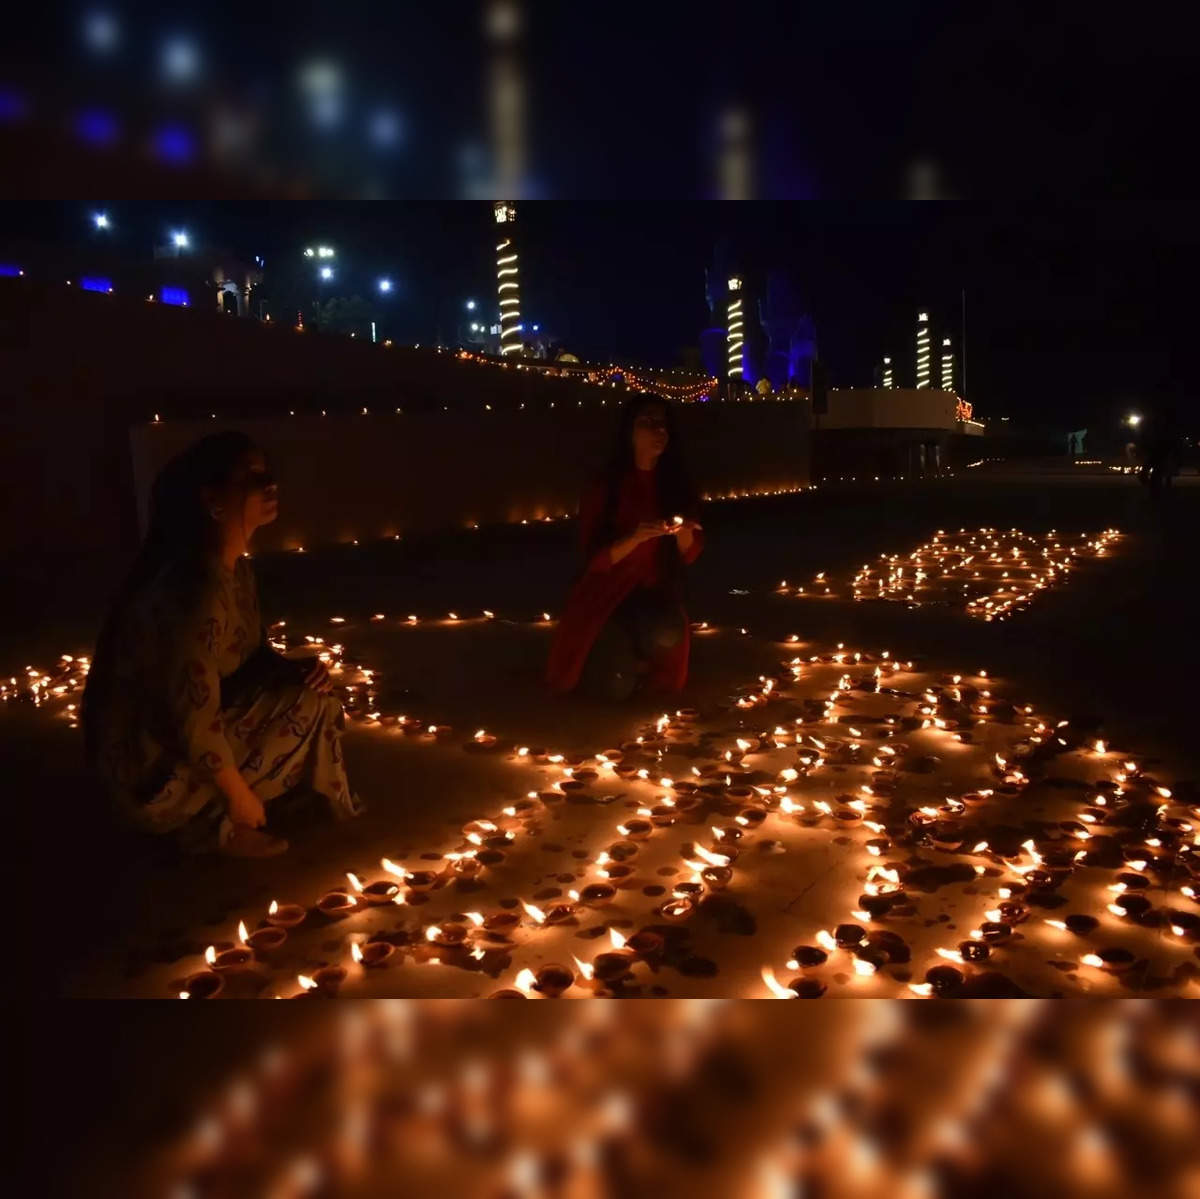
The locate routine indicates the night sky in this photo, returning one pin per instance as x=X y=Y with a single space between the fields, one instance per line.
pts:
x=1072 y=314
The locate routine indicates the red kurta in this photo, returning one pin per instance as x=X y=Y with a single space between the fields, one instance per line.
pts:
x=604 y=586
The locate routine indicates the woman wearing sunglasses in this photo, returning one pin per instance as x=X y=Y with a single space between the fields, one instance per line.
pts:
x=193 y=722
x=625 y=625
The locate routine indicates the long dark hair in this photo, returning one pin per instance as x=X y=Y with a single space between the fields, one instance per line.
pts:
x=181 y=537
x=676 y=495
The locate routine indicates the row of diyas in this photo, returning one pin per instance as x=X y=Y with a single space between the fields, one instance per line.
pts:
x=932 y=823
x=993 y=571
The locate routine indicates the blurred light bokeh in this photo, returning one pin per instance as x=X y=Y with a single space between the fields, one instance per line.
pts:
x=652 y=1097
x=512 y=99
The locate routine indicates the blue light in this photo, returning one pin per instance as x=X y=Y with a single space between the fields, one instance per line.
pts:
x=536 y=327
x=175 y=144
x=95 y=283
x=174 y=295
x=385 y=285
x=13 y=106
x=97 y=127
x=10 y=271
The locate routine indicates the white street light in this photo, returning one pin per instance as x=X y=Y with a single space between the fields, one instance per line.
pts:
x=180 y=238
x=327 y=272
x=385 y=285
x=470 y=305
x=1133 y=419
x=100 y=220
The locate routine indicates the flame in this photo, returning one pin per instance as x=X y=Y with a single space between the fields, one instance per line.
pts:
x=476 y=918
x=273 y=908
x=713 y=859
x=243 y=935
x=355 y=882
x=825 y=939
x=210 y=954
x=863 y=968
x=392 y=868
x=536 y=913
x=355 y=952
x=307 y=983
x=921 y=988
x=617 y=939
x=777 y=989
x=1091 y=959
x=525 y=980
x=433 y=932
x=586 y=970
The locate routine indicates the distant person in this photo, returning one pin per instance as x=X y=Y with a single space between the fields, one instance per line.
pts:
x=192 y=721
x=625 y=625
x=1163 y=450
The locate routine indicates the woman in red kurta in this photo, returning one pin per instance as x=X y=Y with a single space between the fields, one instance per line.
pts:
x=625 y=623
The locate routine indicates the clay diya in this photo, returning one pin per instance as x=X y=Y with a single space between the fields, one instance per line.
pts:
x=688 y=890
x=849 y=935
x=636 y=829
x=663 y=815
x=498 y=925
x=329 y=978
x=612 y=966
x=380 y=892
x=974 y=951
x=715 y=878
x=373 y=953
x=237 y=957
x=508 y=993
x=336 y=904
x=618 y=873
x=805 y=957
x=263 y=940
x=285 y=915
x=1114 y=960
x=944 y=979
x=447 y=935
x=552 y=980
x=204 y=985
x=677 y=909
x=421 y=880
x=807 y=988
x=597 y=894
x=646 y=944
x=995 y=930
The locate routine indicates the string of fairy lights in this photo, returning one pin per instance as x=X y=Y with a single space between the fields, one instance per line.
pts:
x=910 y=772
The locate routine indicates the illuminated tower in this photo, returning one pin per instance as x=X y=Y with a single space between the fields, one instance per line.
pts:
x=889 y=380
x=947 y=366
x=734 y=328
x=924 y=366
x=508 y=288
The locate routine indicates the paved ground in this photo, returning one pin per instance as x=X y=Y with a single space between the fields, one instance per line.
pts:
x=1114 y=645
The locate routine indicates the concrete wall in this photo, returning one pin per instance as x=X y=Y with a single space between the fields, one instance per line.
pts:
x=81 y=374
x=889 y=408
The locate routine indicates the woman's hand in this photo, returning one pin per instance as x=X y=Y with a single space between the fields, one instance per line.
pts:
x=319 y=678
x=685 y=525
x=648 y=530
x=246 y=808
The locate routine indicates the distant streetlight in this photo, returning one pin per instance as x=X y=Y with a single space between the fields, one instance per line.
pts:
x=474 y=326
x=326 y=272
x=100 y=220
x=470 y=305
x=536 y=328
x=180 y=239
x=319 y=252
x=385 y=285
x=1133 y=419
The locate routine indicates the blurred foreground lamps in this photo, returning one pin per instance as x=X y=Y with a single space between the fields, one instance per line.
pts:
x=1133 y=419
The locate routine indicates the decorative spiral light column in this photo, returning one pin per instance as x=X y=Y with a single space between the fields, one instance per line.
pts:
x=923 y=363
x=734 y=326
x=889 y=379
x=947 y=365
x=508 y=288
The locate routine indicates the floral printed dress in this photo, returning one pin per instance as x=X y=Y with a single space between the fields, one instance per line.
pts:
x=165 y=734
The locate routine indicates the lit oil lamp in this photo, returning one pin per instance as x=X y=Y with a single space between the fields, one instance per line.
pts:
x=484 y=740
x=552 y=980
x=648 y=945
x=237 y=957
x=806 y=957
x=203 y=985
x=597 y=894
x=447 y=935
x=285 y=915
x=677 y=910
x=380 y=892
x=336 y=904
x=329 y=978
x=715 y=878
x=636 y=829
x=264 y=940
x=373 y=953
